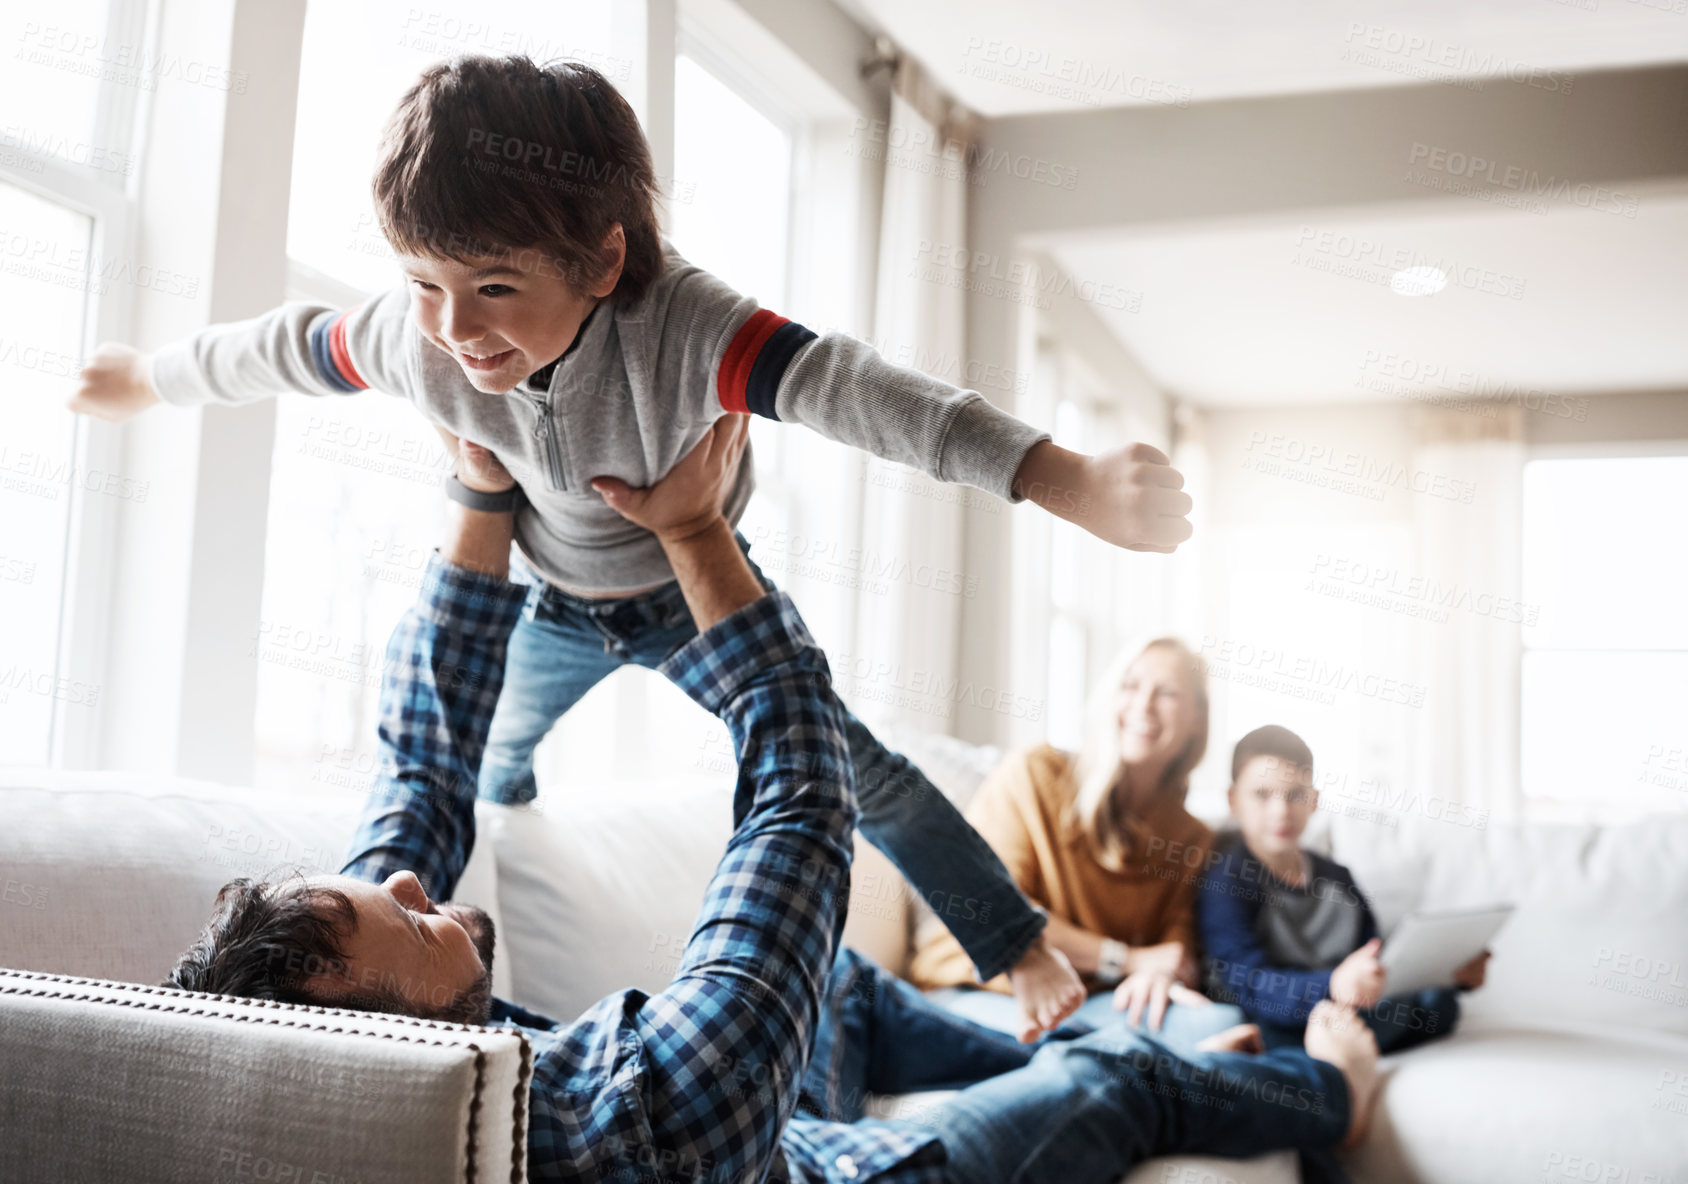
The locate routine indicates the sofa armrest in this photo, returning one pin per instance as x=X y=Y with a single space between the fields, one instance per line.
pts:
x=117 y=1081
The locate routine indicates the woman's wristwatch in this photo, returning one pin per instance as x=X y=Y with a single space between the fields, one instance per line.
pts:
x=475 y=499
x=1110 y=961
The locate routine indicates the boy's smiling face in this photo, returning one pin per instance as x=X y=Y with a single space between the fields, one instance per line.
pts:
x=503 y=316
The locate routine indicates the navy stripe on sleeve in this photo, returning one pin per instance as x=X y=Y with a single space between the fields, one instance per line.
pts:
x=770 y=366
x=322 y=353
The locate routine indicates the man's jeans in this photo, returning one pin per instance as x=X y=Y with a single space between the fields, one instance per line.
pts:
x=1065 y=1110
x=1183 y=1027
x=564 y=645
x=1399 y=1022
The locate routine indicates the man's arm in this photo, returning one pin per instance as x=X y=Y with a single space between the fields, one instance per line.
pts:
x=440 y=682
x=683 y=510
x=721 y=1051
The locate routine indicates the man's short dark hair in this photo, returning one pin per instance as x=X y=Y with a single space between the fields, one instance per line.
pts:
x=1275 y=741
x=267 y=938
x=490 y=154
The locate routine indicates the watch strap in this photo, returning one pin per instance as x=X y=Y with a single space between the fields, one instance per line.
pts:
x=1111 y=961
x=475 y=499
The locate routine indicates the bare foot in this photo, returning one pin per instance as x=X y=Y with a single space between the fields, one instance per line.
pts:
x=1337 y=1034
x=1241 y=1038
x=1047 y=987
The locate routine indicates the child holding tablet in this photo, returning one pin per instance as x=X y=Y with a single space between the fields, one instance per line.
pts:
x=1283 y=928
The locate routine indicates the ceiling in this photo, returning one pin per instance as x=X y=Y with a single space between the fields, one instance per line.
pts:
x=1250 y=308
x=1301 y=310
x=1009 y=57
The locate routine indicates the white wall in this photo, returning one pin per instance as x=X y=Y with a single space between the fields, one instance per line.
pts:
x=1274 y=528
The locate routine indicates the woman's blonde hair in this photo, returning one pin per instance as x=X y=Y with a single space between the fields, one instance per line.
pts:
x=1113 y=836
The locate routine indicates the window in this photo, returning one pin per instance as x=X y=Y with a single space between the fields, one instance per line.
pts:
x=65 y=283
x=41 y=300
x=1605 y=666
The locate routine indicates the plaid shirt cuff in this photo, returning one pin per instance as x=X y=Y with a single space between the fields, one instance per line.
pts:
x=460 y=597
x=718 y=663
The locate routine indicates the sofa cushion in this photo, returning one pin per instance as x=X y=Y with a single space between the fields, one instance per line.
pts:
x=603 y=892
x=1598 y=937
x=1514 y=1104
x=112 y=875
x=113 y=1081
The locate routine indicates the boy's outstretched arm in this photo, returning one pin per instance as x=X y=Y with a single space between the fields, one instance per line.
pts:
x=302 y=346
x=1131 y=497
x=755 y=361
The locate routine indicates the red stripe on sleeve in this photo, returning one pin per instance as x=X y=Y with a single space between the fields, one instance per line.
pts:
x=342 y=357
x=734 y=375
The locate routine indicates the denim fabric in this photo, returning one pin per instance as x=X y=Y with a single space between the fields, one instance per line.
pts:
x=1399 y=1022
x=1183 y=1026
x=563 y=645
x=1076 y=1110
x=879 y=1034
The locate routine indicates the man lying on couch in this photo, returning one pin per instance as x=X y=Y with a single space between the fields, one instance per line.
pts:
x=704 y=1079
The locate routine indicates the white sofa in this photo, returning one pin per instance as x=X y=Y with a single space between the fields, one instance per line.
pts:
x=1571 y=1065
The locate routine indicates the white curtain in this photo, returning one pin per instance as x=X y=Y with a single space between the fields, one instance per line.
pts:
x=910 y=625
x=1466 y=746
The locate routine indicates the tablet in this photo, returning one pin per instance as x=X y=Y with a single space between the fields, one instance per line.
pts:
x=1426 y=948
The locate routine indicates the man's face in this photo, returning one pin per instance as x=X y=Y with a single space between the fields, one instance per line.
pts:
x=1273 y=800
x=437 y=958
x=500 y=317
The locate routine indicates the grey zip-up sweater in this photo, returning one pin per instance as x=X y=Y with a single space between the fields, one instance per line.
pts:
x=633 y=394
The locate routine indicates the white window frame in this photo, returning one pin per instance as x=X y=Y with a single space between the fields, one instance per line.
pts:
x=108 y=200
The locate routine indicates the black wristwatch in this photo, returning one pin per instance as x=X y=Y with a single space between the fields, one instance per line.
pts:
x=475 y=499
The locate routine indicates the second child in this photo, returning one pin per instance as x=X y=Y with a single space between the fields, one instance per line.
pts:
x=1283 y=928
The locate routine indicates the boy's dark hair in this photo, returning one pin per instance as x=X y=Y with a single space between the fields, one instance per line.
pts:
x=266 y=938
x=1271 y=740
x=488 y=154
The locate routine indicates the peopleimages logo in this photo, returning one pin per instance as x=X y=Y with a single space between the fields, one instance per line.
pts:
x=1471 y=166
x=902 y=145
x=925 y=691
x=1386 y=581
x=1388 y=372
x=1273 y=452
x=1374 y=261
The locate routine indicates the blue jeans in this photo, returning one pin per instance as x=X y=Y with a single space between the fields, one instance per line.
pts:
x=1080 y=1110
x=1399 y=1022
x=563 y=645
x=1183 y=1026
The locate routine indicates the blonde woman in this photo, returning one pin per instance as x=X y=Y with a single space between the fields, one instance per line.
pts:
x=1103 y=842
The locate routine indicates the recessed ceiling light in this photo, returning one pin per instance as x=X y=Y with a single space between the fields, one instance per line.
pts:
x=1419 y=281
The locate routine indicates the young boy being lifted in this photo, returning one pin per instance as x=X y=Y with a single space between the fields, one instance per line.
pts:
x=544 y=317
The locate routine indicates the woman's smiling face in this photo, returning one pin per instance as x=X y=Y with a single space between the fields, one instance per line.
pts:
x=1155 y=708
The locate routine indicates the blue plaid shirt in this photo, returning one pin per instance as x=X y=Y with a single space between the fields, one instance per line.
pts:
x=700 y=1081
